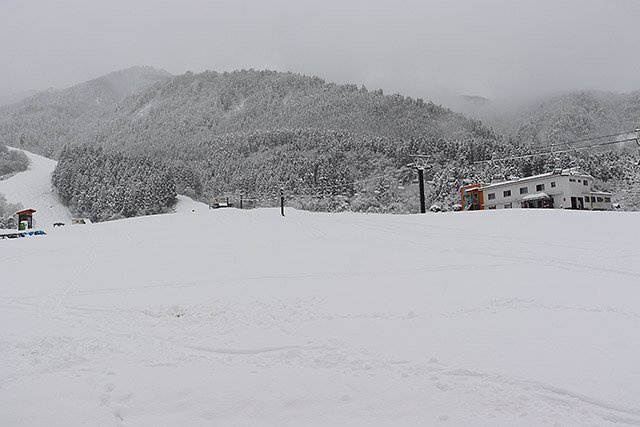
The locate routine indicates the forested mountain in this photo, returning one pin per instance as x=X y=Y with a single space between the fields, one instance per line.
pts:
x=257 y=131
x=47 y=121
x=193 y=106
x=329 y=146
x=252 y=132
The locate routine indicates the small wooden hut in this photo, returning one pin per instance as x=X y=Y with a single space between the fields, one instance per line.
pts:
x=25 y=219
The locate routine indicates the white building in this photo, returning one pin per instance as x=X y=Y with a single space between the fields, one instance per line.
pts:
x=560 y=189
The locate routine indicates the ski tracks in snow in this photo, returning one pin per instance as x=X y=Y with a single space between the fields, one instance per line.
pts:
x=172 y=336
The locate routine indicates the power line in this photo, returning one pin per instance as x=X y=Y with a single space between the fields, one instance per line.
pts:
x=593 y=138
x=542 y=153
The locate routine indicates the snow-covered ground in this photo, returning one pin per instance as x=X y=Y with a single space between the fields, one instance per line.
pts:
x=32 y=188
x=230 y=317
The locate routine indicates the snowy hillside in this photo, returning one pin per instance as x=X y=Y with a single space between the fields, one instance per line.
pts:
x=32 y=188
x=229 y=317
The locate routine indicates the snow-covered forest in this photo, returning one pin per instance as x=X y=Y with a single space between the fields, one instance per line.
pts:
x=12 y=161
x=103 y=186
x=7 y=211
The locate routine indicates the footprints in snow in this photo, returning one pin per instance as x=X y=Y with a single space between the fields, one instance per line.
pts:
x=115 y=402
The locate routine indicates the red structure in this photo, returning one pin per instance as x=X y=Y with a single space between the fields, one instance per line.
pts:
x=25 y=219
x=472 y=197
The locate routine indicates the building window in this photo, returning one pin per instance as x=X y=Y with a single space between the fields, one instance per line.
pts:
x=524 y=190
x=572 y=180
x=607 y=199
x=506 y=193
x=491 y=196
x=599 y=199
x=585 y=182
x=586 y=199
x=492 y=207
x=539 y=187
x=508 y=206
x=579 y=181
x=553 y=184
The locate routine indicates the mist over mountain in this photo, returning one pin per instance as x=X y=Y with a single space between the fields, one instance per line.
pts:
x=578 y=115
x=14 y=97
x=556 y=118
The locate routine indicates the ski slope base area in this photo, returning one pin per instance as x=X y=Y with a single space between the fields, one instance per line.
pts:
x=230 y=317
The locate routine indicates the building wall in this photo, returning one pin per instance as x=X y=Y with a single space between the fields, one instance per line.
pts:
x=564 y=187
x=603 y=201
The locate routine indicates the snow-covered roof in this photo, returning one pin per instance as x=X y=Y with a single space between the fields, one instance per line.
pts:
x=563 y=172
x=26 y=211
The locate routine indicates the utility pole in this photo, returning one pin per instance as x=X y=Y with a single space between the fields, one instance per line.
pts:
x=638 y=142
x=420 y=164
x=240 y=200
x=282 y=201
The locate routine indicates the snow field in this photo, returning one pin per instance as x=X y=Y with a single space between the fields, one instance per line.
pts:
x=247 y=318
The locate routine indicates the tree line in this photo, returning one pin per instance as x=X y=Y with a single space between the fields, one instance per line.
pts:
x=103 y=185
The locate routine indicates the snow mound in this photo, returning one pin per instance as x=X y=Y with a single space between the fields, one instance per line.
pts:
x=32 y=188
x=232 y=317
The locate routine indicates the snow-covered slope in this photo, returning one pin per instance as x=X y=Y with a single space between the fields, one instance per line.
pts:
x=32 y=188
x=229 y=317
x=188 y=205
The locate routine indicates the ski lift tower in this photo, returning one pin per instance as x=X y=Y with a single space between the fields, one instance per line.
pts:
x=420 y=163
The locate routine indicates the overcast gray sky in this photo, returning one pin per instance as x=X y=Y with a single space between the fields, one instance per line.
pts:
x=494 y=48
